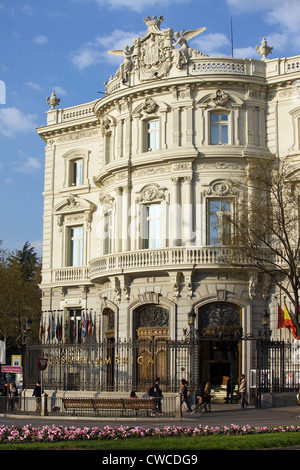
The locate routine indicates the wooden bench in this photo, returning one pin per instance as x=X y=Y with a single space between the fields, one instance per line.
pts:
x=98 y=404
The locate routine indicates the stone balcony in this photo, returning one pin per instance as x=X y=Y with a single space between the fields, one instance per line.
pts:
x=150 y=261
x=164 y=259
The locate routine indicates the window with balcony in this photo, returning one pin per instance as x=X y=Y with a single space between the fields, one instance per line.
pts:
x=219 y=229
x=75 y=242
x=219 y=128
x=152 y=236
x=153 y=135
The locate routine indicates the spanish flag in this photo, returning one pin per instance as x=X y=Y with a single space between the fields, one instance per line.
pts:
x=288 y=322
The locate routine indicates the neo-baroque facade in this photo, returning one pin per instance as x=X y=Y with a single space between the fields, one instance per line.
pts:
x=139 y=185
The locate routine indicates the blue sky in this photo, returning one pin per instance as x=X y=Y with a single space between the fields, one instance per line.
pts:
x=62 y=45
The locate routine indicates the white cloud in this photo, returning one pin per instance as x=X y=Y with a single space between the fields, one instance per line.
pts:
x=137 y=5
x=245 y=6
x=211 y=44
x=28 y=166
x=8 y=181
x=96 y=51
x=33 y=85
x=13 y=121
x=40 y=40
x=282 y=14
x=59 y=90
x=246 y=52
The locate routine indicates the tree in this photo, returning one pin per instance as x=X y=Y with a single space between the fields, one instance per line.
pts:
x=266 y=227
x=19 y=294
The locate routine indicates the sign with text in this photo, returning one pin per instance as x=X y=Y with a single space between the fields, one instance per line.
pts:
x=11 y=369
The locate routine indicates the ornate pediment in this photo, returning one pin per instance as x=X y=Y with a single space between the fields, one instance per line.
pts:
x=73 y=209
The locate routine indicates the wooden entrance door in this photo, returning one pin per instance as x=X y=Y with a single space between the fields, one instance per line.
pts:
x=152 y=334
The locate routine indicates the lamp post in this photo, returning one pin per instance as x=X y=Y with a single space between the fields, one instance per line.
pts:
x=26 y=339
x=191 y=321
x=193 y=350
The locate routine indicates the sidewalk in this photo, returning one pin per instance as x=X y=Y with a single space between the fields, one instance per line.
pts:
x=220 y=415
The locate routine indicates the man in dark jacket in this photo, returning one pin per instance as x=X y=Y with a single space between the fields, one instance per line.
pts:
x=37 y=393
x=155 y=391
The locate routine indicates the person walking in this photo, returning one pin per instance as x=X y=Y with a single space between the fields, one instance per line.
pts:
x=200 y=397
x=243 y=391
x=184 y=394
x=13 y=393
x=37 y=393
x=207 y=398
x=155 y=391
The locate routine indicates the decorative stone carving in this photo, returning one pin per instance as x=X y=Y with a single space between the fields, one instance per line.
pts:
x=78 y=208
x=182 y=38
x=264 y=49
x=253 y=285
x=126 y=66
x=151 y=193
x=149 y=106
x=220 y=188
x=220 y=98
x=106 y=125
x=53 y=100
x=153 y=55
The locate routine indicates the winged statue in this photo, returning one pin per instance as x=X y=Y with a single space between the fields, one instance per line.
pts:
x=182 y=40
x=125 y=67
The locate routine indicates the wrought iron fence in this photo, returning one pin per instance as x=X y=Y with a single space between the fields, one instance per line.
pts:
x=123 y=366
x=278 y=366
x=113 y=366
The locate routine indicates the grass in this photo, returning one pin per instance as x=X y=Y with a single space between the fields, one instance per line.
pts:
x=191 y=443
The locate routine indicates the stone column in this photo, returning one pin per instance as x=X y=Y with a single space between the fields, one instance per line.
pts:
x=174 y=213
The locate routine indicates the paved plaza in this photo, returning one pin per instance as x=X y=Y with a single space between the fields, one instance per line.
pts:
x=220 y=415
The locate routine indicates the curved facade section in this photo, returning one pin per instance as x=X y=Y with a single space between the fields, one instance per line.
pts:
x=139 y=187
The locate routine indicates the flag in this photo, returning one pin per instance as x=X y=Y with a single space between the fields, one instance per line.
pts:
x=288 y=322
x=90 y=325
x=41 y=327
x=83 y=325
x=67 y=331
x=280 y=320
x=53 y=327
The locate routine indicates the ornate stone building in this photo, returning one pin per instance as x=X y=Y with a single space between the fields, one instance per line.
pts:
x=138 y=187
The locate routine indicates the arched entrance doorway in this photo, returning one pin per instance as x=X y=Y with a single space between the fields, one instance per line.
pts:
x=152 y=334
x=219 y=350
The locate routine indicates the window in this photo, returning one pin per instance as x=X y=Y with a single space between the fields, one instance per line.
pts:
x=76 y=172
x=153 y=226
x=76 y=246
x=107 y=248
x=108 y=148
x=218 y=128
x=219 y=224
x=74 y=324
x=153 y=135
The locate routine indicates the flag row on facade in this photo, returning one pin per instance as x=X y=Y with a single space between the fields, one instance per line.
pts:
x=52 y=328
x=285 y=321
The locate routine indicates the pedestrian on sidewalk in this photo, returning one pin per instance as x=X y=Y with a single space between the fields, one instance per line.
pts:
x=184 y=394
x=243 y=392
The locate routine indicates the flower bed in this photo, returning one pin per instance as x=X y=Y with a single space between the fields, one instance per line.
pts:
x=54 y=433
